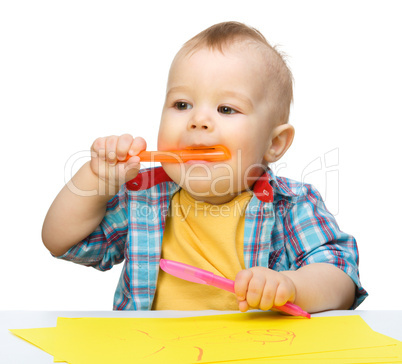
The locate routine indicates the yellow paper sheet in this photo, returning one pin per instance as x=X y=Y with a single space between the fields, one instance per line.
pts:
x=238 y=338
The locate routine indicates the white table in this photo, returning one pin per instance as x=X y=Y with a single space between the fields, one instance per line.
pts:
x=14 y=350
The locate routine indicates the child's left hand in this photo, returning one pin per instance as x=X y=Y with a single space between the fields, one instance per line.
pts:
x=263 y=288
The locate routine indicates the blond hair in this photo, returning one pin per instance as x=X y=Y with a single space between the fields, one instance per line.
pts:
x=223 y=34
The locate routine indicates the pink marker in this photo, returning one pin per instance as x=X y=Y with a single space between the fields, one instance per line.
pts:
x=197 y=275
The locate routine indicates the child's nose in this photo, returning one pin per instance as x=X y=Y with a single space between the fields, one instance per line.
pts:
x=200 y=122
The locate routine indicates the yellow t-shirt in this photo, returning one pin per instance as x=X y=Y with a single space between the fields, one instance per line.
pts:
x=206 y=236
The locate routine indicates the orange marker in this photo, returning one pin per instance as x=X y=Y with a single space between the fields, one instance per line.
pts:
x=214 y=153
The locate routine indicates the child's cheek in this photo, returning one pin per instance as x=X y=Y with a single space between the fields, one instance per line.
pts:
x=174 y=171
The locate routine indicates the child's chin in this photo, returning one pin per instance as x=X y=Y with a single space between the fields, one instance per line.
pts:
x=204 y=189
x=200 y=181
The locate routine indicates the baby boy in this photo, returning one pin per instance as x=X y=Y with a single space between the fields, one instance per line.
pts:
x=273 y=236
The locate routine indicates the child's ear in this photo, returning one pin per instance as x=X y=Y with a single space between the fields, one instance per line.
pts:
x=281 y=140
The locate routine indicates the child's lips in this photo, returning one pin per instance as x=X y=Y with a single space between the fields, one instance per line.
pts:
x=195 y=146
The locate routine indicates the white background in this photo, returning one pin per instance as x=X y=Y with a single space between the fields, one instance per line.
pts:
x=71 y=71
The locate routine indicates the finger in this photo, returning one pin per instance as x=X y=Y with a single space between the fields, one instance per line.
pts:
x=110 y=144
x=241 y=283
x=123 y=146
x=284 y=293
x=138 y=145
x=132 y=167
x=98 y=148
x=128 y=171
x=243 y=306
x=268 y=296
x=255 y=290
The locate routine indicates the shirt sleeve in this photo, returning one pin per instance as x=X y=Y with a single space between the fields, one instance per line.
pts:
x=105 y=246
x=313 y=236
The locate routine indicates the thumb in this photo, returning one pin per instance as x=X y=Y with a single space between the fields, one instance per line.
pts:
x=131 y=168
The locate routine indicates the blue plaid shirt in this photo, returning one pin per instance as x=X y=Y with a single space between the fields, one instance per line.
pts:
x=286 y=227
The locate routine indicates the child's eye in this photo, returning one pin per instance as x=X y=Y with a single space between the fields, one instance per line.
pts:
x=181 y=105
x=226 y=110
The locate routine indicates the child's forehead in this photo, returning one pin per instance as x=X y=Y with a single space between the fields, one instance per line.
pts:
x=240 y=60
x=248 y=55
x=233 y=63
x=244 y=48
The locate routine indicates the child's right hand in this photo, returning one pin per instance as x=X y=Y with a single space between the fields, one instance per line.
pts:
x=114 y=159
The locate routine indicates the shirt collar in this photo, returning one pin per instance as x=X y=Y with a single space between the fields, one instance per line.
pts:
x=265 y=187
x=269 y=185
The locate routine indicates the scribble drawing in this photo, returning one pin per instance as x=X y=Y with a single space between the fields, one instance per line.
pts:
x=200 y=354
x=178 y=337
x=156 y=352
x=264 y=336
x=203 y=334
x=145 y=333
x=213 y=336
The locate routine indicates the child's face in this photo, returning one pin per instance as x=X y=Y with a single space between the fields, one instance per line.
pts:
x=214 y=98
